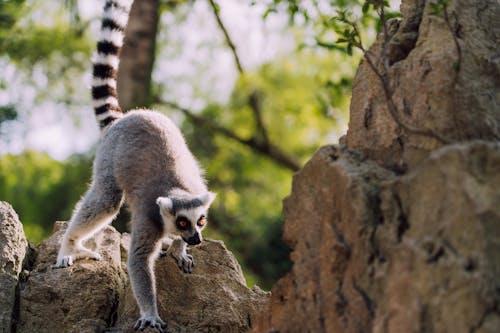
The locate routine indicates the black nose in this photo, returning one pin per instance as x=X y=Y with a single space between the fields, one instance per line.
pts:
x=194 y=240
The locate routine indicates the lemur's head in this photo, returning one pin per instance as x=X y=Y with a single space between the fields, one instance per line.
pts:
x=186 y=216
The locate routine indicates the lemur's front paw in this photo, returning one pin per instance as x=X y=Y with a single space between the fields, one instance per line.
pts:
x=64 y=261
x=154 y=322
x=185 y=261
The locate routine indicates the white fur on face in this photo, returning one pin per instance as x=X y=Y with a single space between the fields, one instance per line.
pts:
x=193 y=215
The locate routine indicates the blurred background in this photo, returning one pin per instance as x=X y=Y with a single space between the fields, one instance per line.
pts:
x=256 y=87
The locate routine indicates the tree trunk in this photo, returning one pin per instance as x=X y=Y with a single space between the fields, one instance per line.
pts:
x=138 y=55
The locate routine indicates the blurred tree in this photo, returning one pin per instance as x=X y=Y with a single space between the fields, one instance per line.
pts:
x=138 y=54
x=41 y=189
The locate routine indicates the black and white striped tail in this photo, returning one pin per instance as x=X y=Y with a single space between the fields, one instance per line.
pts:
x=106 y=60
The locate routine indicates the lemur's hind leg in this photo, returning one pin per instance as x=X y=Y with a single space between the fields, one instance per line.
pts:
x=97 y=208
x=144 y=250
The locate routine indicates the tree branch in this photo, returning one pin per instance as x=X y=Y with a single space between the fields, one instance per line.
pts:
x=215 y=9
x=264 y=148
x=253 y=99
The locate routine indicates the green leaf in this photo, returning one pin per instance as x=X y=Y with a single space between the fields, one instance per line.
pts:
x=366 y=7
x=349 y=49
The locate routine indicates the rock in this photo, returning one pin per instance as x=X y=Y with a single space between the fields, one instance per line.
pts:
x=434 y=88
x=81 y=298
x=443 y=266
x=214 y=298
x=376 y=252
x=13 y=247
x=333 y=205
x=93 y=296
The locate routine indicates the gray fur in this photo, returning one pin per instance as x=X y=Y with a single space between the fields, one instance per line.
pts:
x=144 y=158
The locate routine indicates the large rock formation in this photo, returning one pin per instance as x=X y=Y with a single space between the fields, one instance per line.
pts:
x=95 y=296
x=374 y=252
x=453 y=92
x=397 y=231
x=13 y=246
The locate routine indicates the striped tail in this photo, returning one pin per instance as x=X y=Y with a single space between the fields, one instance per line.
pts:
x=105 y=62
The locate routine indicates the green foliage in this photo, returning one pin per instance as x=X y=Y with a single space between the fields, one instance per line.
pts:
x=10 y=11
x=333 y=21
x=60 y=45
x=7 y=112
x=437 y=6
x=42 y=190
x=36 y=43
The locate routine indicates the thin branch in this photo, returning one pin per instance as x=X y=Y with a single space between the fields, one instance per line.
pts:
x=264 y=148
x=253 y=99
x=254 y=102
x=215 y=9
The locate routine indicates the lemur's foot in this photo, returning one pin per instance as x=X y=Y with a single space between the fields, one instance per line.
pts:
x=154 y=322
x=67 y=260
x=185 y=261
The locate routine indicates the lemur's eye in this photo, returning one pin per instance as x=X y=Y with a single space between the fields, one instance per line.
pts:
x=202 y=221
x=182 y=223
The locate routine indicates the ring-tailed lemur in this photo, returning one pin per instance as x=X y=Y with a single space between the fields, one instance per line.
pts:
x=142 y=157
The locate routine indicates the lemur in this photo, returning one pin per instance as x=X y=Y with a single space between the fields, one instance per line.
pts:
x=142 y=157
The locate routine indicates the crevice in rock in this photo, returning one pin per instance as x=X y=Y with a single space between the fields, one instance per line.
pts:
x=424 y=318
x=436 y=255
x=369 y=303
x=113 y=313
x=27 y=267
x=341 y=302
x=489 y=311
x=402 y=220
x=15 y=310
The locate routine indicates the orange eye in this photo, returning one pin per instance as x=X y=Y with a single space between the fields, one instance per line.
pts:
x=182 y=224
x=202 y=222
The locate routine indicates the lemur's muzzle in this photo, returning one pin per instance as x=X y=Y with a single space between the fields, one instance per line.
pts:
x=193 y=240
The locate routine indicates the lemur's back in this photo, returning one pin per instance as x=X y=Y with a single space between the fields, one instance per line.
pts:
x=145 y=153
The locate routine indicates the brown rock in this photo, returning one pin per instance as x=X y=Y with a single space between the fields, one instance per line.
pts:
x=333 y=205
x=92 y=296
x=13 y=247
x=377 y=253
x=433 y=87
x=443 y=272
x=214 y=298
x=81 y=298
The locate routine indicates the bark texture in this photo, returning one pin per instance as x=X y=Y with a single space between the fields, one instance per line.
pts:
x=137 y=55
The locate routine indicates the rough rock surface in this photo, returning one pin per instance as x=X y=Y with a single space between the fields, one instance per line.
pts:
x=374 y=252
x=214 y=298
x=94 y=296
x=81 y=298
x=13 y=247
x=432 y=88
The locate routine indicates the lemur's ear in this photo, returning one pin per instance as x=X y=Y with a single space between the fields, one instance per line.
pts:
x=207 y=198
x=166 y=205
